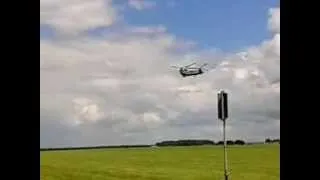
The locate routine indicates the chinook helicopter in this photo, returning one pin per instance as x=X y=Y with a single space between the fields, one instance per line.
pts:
x=190 y=71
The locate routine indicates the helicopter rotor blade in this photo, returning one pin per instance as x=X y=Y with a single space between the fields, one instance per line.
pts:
x=190 y=65
x=175 y=67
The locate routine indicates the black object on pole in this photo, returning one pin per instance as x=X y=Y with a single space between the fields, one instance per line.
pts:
x=222 y=105
x=223 y=115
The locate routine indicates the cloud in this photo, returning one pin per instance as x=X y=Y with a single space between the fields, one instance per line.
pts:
x=274 y=20
x=149 y=30
x=119 y=88
x=74 y=16
x=141 y=4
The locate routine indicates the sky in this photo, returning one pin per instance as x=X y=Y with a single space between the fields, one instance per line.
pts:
x=105 y=75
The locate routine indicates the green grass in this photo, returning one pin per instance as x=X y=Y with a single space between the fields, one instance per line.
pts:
x=256 y=162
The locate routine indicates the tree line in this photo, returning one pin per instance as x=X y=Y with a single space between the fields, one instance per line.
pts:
x=188 y=142
x=93 y=147
x=183 y=142
x=270 y=141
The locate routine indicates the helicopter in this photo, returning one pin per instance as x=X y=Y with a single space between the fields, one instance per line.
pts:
x=190 y=71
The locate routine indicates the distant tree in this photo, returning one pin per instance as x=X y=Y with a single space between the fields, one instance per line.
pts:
x=230 y=142
x=275 y=140
x=220 y=143
x=268 y=141
x=185 y=142
x=239 y=142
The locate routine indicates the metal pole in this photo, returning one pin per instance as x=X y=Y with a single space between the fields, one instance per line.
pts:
x=225 y=151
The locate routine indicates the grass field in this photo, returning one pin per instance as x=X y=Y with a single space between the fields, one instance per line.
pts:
x=255 y=162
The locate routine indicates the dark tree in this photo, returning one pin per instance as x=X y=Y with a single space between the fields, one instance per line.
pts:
x=185 y=142
x=239 y=142
x=268 y=140
x=276 y=140
x=230 y=142
x=220 y=143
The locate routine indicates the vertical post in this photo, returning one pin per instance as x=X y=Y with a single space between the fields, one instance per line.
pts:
x=223 y=115
x=225 y=151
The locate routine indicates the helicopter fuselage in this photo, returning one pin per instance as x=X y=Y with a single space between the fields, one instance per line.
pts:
x=190 y=71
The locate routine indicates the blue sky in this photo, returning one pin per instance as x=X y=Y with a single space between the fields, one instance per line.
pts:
x=229 y=25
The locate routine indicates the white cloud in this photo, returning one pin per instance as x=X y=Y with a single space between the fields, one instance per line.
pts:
x=141 y=4
x=74 y=16
x=122 y=90
x=149 y=30
x=274 y=20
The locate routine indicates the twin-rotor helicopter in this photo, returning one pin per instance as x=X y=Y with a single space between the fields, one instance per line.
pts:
x=188 y=70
